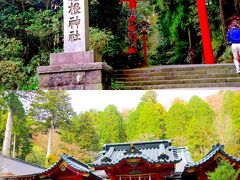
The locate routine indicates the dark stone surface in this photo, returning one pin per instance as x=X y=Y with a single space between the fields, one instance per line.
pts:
x=87 y=76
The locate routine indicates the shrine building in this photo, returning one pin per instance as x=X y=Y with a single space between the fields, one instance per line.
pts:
x=154 y=160
x=139 y=161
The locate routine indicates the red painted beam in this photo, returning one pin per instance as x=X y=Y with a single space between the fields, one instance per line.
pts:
x=204 y=26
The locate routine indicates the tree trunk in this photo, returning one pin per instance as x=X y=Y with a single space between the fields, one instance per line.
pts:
x=222 y=17
x=50 y=138
x=236 y=5
x=8 y=132
x=14 y=146
x=1 y=167
x=47 y=3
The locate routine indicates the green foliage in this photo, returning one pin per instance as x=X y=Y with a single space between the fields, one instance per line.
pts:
x=27 y=34
x=200 y=132
x=231 y=117
x=99 y=39
x=21 y=127
x=83 y=132
x=173 y=45
x=22 y=131
x=109 y=128
x=36 y=156
x=3 y=120
x=177 y=116
x=147 y=122
x=178 y=20
x=105 y=14
x=103 y=42
x=149 y=95
x=225 y=170
x=11 y=49
x=52 y=106
x=8 y=78
x=191 y=124
x=45 y=26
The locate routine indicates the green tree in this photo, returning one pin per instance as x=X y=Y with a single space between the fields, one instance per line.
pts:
x=14 y=107
x=14 y=124
x=149 y=95
x=52 y=109
x=179 y=31
x=225 y=170
x=147 y=122
x=83 y=132
x=177 y=122
x=231 y=119
x=109 y=126
x=29 y=32
x=200 y=132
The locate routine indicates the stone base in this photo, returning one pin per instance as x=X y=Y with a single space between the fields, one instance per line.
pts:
x=74 y=58
x=85 y=76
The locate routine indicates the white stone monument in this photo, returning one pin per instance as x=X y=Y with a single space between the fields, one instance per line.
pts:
x=77 y=68
x=76 y=26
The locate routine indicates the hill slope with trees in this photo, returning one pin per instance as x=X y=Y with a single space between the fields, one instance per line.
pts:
x=197 y=124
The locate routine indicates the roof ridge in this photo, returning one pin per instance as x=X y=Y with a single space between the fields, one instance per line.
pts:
x=71 y=158
x=139 y=142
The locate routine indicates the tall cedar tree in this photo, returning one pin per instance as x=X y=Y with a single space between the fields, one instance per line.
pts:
x=53 y=109
x=83 y=132
x=109 y=126
x=16 y=125
x=147 y=122
x=200 y=132
x=177 y=116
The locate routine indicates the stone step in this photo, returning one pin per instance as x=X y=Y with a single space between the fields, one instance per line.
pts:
x=181 y=86
x=178 y=76
x=181 y=81
x=165 y=71
x=170 y=68
x=146 y=77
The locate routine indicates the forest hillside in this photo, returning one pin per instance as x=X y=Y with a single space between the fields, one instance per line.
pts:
x=50 y=127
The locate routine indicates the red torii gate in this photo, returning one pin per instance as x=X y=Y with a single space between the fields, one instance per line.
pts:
x=204 y=27
x=205 y=31
x=132 y=27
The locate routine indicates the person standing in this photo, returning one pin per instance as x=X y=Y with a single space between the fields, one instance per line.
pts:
x=233 y=38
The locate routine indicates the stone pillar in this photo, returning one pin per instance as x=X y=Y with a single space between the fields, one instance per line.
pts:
x=76 y=25
x=76 y=68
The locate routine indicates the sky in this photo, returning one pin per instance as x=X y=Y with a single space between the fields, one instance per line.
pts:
x=86 y=100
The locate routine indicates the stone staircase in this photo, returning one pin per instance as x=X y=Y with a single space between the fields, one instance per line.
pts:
x=176 y=76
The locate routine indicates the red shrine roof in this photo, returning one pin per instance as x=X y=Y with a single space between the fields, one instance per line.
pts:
x=71 y=164
x=155 y=152
x=216 y=151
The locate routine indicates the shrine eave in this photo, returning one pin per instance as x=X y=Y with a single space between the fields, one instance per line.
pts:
x=216 y=150
x=155 y=152
x=72 y=164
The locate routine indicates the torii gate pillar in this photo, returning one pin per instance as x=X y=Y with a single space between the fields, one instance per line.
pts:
x=132 y=27
x=204 y=26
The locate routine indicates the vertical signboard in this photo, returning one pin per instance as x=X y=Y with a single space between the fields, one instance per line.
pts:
x=76 y=25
